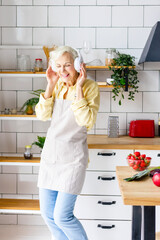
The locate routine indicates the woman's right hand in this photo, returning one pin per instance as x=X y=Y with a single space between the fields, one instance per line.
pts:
x=52 y=77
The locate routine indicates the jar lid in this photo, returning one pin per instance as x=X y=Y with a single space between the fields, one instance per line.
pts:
x=38 y=59
x=28 y=146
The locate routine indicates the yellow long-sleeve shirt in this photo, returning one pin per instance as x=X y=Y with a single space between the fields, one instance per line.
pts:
x=85 y=110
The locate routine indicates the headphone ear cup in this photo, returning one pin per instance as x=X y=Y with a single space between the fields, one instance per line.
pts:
x=53 y=66
x=77 y=64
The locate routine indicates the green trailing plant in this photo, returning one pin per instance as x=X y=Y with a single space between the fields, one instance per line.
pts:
x=125 y=63
x=140 y=175
x=32 y=101
x=40 y=142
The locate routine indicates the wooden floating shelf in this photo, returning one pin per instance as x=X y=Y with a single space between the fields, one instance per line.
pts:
x=19 y=204
x=7 y=159
x=17 y=115
x=44 y=72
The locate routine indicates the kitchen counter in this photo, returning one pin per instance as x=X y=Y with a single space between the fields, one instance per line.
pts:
x=144 y=196
x=122 y=142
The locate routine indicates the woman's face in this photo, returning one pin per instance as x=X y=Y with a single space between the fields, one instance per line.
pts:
x=65 y=68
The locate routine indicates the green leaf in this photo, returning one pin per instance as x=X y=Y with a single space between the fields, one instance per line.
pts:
x=40 y=142
x=140 y=175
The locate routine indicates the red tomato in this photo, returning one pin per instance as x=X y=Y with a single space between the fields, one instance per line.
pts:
x=148 y=158
x=138 y=162
x=156 y=179
x=137 y=154
x=143 y=163
x=143 y=156
x=135 y=167
x=133 y=157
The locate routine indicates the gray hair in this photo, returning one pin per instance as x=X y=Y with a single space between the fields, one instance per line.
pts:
x=59 y=51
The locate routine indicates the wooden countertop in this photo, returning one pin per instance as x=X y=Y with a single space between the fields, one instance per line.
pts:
x=137 y=193
x=123 y=142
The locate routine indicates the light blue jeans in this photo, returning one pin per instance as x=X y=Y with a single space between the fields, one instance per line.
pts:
x=57 y=212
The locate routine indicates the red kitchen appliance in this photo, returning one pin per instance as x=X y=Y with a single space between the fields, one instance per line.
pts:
x=142 y=128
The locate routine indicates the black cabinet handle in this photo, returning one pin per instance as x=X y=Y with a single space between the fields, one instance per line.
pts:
x=105 y=227
x=106 y=203
x=158 y=155
x=106 y=178
x=106 y=154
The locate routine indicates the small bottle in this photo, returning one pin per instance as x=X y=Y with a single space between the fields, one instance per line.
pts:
x=110 y=54
x=38 y=65
x=27 y=153
x=6 y=111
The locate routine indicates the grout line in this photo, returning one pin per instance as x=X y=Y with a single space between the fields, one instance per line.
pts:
x=48 y=16
x=143 y=15
x=111 y=15
x=79 y=16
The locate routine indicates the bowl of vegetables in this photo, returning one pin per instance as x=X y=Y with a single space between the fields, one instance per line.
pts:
x=138 y=161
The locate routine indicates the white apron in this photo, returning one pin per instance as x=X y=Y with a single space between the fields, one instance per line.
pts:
x=64 y=156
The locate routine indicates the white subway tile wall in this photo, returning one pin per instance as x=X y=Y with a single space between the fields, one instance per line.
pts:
x=9 y=183
x=7 y=16
x=48 y=2
x=19 y=36
x=75 y=36
x=18 y=83
x=30 y=220
x=111 y=38
x=57 y=19
x=88 y=16
x=32 y=16
x=8 y=219
x=151 y=15
x=27 y=184
x=16 y=2
x=137 y=37
x=127 y=16
x=26 y=26
x=110 y=2
x=48 y=36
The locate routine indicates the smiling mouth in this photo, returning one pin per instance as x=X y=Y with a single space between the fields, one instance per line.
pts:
x=65 y=76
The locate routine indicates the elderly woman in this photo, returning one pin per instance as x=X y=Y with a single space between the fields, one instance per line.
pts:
x=72 y=101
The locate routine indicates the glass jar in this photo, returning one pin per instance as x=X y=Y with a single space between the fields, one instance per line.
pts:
x=38 y=65
x=110 y=54
x=27 y=153
x=113 y=126
x=23 y=63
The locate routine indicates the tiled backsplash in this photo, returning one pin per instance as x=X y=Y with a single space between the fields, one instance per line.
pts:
x=27 y=25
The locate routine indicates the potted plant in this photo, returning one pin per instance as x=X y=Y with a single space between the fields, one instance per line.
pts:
x=40 y=142
x=124 y=76
x=28 y=105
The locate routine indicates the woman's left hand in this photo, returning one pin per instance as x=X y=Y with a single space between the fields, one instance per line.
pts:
x=82 y=76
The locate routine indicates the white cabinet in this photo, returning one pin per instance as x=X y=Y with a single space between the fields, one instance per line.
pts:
x=107 y=230
x=100 y=207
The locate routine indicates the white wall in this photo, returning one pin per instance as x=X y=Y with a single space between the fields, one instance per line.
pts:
x=30 y=24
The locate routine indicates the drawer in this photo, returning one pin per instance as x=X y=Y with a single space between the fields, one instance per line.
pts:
x=101 y=183
x=102 y=207
x=105 y=159
x=107 y=230
x=154 y=154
